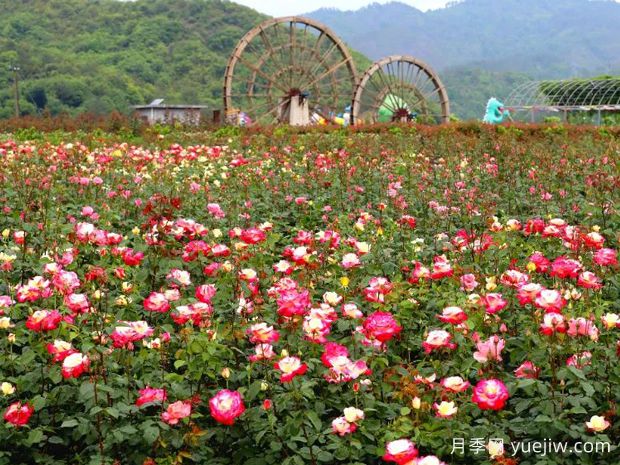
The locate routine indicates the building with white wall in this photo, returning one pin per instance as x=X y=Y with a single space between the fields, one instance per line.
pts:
x=157 y=112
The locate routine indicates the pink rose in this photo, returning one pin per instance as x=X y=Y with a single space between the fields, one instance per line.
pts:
x=468 y=282
x=342 y=427
x=489 y=350
x=550 y=300
x=74 y=365
x=44 y=320
x=226 y=406
x=552 y=323
x=527 y=370
x=490 y=394
x=290 y=367
x=176 y=412
x=400 y=451
x=453 y=315
x=150 y=395
x=493 y=303
x=606 y=257
x=205 y=293
x=438 y=339
x=541 y=263
x=589 y=280
x=563 y=267
x=156 y=302
x=381 y=326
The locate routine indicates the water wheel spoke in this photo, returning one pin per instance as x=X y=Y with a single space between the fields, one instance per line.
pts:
x=394 y=78
x=256 y=110
x=270 y=49
x=381 y=91
x=268 y=114
x=280 y=35
x=251 y=95
x=317 y=66
x=388 y=102
x=292 y=35
x=253 y=105
x=304 y=47
x=334 y=84
x=411 y=70
x=262 y=74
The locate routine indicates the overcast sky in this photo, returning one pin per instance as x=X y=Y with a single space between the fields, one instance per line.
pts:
x=293 y=7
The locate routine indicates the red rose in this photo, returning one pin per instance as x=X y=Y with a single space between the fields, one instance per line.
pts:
x=381 y=326
x=18 y=414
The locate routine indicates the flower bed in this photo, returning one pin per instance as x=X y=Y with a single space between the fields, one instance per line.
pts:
x=306 y=299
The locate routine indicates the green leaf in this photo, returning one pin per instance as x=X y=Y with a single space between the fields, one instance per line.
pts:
x=69 y=423
x=87 y=390
x=95 y=410
x=253 y=390
x=588 y=389
x=523 y=383
x=577 y=372
x=260 y=435
x=342 y=453
x=114 y=413
x=128 y=430
x=315 y=420
x=55 y=375
x=35 y=436
x=38 y=402
x=151 y=433
x=578 y=410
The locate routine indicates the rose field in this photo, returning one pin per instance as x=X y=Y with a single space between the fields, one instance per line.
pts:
x=405 y=296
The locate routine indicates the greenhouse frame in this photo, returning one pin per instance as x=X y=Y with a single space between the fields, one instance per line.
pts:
x=572 y=100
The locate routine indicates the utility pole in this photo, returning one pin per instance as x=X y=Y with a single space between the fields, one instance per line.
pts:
x=15 y=70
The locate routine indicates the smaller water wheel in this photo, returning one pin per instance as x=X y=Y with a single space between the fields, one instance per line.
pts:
x=400 y=88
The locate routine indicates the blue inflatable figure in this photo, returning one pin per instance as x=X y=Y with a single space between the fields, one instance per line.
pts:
x=496 y=113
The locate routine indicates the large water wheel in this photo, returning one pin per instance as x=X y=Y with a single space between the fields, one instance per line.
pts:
x=288 y=70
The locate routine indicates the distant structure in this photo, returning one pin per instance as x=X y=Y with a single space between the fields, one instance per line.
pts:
x=572 y=100
x=156 y=112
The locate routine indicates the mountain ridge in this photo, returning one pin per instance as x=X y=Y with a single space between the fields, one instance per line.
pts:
x=488 y=31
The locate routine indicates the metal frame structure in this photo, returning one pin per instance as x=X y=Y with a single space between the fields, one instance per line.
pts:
x=414 y=85
x=566 y=96
x=288 y=70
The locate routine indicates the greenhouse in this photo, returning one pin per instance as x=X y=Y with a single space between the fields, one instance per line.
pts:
x=575 y=101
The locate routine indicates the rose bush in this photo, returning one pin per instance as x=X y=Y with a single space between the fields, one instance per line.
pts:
x=306 y=299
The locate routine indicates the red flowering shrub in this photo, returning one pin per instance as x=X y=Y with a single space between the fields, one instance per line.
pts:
x=320 y=298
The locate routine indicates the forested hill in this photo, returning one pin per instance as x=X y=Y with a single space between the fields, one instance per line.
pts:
x=101 y=55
